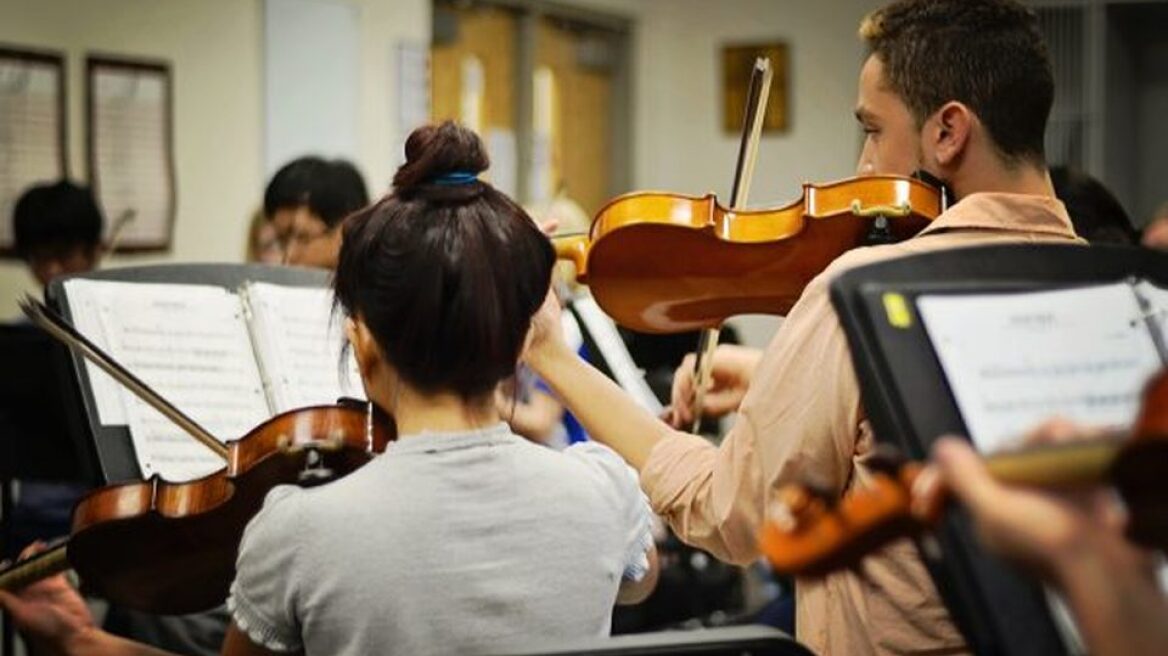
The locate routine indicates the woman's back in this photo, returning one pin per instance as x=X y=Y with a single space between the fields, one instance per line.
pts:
x=449 y=543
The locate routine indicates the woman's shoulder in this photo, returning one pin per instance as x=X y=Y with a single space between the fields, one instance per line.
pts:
x=601 y=465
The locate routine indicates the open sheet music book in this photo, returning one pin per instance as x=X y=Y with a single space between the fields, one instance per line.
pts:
x=1015 y=360
x=229 y=360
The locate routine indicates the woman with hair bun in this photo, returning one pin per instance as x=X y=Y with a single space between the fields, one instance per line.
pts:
x=454 y=540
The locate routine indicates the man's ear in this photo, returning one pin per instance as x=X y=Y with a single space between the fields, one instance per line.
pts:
x=950 y=132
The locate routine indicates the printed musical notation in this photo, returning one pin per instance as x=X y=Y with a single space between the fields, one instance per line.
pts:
x=32 y=127
x=1014 y=360
x=228 y=360
x=188 y=342
x=130 y=158
x=299 y=341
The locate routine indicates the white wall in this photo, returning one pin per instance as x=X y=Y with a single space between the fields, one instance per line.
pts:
x=216 y=106
x=215 y=49
x=680 y=145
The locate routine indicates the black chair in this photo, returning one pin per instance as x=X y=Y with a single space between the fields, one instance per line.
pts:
x=727 y=641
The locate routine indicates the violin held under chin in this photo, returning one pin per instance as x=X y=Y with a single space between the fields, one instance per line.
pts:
x=667 y=263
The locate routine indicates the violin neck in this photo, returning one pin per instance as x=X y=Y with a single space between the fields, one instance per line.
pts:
x=1069 y=465
x=44 y=564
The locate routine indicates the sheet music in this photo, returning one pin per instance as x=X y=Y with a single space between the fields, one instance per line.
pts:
x=190 y=343
x=299 y=342
x=1157 y=298
x=30 y=131
x=612 y=349
x=1014 y=360
x=131 y=141
x=84 y=302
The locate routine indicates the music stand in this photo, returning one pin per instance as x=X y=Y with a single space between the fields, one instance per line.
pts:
x=109 y=445
x=910 y=404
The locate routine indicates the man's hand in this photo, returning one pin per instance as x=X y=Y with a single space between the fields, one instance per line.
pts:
x=731 y=371
x=49 y=613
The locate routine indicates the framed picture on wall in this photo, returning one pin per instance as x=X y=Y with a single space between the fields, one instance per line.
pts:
x=737 y=63
x=32 y=127
x=129 y=116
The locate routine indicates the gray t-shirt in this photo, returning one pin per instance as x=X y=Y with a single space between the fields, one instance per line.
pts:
x=447 y=543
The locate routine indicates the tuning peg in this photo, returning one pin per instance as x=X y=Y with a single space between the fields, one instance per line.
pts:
x=800 y=504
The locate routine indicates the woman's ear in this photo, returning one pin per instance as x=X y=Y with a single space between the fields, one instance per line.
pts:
x=365 y=348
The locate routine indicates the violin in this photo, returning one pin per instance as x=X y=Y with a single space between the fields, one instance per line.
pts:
x=170 y=548
x=666 y=263
x=809 y=534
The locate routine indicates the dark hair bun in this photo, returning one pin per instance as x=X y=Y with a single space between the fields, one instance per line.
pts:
x=436 y=150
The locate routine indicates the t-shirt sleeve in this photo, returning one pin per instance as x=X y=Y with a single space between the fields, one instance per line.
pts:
x=263 y=595
x=632 y=505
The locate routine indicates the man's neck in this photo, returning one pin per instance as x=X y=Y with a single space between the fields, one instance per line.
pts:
x=992 y=175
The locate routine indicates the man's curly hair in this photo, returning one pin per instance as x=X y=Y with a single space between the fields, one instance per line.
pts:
x=986 y=54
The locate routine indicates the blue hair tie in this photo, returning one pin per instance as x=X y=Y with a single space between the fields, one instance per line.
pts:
x=455 y=178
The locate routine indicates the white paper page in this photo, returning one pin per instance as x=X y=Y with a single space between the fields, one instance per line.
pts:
x=1157 y=298
x=190 y=343
x=299 y=342
x=612 y=349
x=84 y=305
x=1015 y=360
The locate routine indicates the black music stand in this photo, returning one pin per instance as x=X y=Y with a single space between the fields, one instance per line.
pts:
x=910 y=404
x=109 y=445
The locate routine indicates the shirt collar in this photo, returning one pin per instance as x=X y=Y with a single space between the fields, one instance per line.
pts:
x=436 y=442
x=1002 y=212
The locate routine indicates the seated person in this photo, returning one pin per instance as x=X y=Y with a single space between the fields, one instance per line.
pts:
x=1095 y=212
x=263 y=245
x=57 y=230
x=453 y=541
x=306 y=201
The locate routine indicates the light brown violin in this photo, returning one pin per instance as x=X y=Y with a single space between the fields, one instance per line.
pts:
x=809 y=534
x=666 y=263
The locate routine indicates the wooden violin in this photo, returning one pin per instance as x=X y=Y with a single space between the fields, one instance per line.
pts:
x=808 y=534
x=665 y=263
x=170 y=548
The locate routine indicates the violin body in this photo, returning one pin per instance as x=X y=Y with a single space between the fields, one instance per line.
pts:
x=665 y=263
x=170 y=548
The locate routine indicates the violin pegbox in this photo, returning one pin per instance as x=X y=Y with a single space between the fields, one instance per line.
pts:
x=808 y=532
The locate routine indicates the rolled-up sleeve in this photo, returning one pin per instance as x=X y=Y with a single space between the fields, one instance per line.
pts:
x=798 y=423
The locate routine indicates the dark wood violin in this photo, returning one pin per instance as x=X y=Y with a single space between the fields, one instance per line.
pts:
x=170 y=548
x=807 y=534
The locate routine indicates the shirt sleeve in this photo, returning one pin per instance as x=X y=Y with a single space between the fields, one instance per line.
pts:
x=798 y=423
x=263 y=596
x=632 y=505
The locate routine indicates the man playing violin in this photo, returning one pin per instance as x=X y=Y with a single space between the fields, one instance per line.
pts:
x=960 y=89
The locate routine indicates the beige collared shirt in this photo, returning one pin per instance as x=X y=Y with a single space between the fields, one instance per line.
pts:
x=802 y=420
